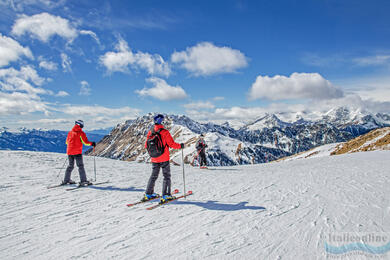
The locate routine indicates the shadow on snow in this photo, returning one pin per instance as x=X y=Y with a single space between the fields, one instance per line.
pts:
x=112 y=188
x=215 y=169
x=214 y=205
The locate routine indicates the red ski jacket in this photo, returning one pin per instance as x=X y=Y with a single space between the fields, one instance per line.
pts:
x=75 y=140
x=167 y=141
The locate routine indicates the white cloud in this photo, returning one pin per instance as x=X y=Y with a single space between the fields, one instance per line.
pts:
x=22 y=80
x=17 y=103
x=48 y=65
x=162 y=90
x=92 y=34
x=379 y=93
x=109 y=121
x=21 y=5
x=52 y=121
x=11 y=50
x=333 y=60
x=120 y=60
x=297 y=86
x=66 y=63
x=207 y=59
x=95 y=111
x=200 y=105
x=124 y=58
x=21 y=92
x=236 y=112
x=62 y=94
x=375 y=60
x=218 y=98
x=376 y=88
x=62 y=117
x=43 y=26
x=338 y=60
x=154 y=64
x=85 y=90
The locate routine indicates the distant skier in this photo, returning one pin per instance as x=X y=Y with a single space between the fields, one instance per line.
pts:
x=75 y=140
x=157 y=143
x=201 y=148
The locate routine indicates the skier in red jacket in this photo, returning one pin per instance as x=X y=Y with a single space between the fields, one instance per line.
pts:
x=161 y=161
x=75 y=140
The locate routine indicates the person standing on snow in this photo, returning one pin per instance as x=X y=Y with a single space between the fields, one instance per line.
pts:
x=75 y=140
x=157 y=143
x=201 y=148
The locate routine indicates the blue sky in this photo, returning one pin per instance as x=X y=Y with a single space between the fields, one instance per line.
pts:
x=108 y=61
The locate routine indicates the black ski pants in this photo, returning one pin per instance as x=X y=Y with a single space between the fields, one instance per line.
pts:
x=202 y=158
x=166 y=170
x=79 y=162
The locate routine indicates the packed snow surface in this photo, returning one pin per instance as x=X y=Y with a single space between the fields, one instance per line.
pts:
x=269 y=211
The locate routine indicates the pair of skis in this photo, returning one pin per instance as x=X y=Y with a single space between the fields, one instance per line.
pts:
x=189 y=193
x=76 y=187
x=93 y=184
x=161 y=203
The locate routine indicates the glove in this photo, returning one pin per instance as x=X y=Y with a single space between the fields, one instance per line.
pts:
x=93 y=144
x=181 y=145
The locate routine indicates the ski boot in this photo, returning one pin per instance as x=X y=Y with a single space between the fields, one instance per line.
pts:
x=150 y=197
x=85 y=183
x=68 y=182
x=166 y=198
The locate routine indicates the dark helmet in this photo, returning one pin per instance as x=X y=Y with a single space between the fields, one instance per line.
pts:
x=158 y=119
x=80 y=123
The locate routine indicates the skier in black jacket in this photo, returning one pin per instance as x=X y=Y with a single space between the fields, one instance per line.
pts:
x=201 y=148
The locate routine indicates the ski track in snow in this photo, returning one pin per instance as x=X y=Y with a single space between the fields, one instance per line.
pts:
x=268 y=211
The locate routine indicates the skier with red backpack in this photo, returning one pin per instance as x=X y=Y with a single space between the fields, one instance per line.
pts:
x=158 y=142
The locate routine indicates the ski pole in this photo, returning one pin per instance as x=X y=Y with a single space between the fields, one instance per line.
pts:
x=58 y=175
x=197 y=158
x=94 y=162
x=184 y=178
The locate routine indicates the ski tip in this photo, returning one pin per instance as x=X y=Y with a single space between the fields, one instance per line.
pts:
x=190 y=192
x=129 y=205
x=176 y=191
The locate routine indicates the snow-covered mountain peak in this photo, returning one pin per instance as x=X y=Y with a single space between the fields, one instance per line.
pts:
x=347 y=116
x=3 y=129
x=22 y=130
x=385 y=118
x=340 y=113
x=235 y=124
x=301 y=121
x=268 y=121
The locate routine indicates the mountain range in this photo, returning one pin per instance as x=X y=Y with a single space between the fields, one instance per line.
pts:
x=377 y=139
x=40 y=139
x=265 y=139
x=262 y=140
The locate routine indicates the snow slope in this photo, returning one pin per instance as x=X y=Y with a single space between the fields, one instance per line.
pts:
x=267 y=211
x=320 y=151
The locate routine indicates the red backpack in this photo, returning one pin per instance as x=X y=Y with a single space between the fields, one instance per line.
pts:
x=154 y=144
